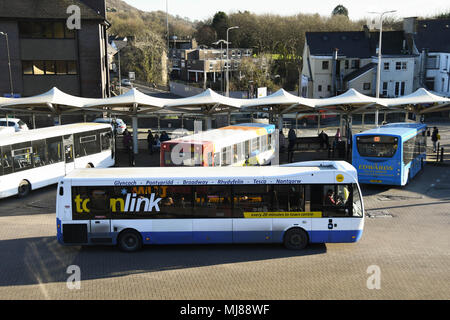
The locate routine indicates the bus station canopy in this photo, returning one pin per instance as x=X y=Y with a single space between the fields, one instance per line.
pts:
x=206 y=103
x=133 y=101
x=349 y=102
x=281 y=102
x=54 y=100
x=420 y=101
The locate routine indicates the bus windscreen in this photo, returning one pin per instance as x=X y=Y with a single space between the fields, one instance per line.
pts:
x=377 y=146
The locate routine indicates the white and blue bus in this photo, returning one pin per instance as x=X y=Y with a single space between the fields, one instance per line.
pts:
x=391 y=154
x=37 y=158
x=296 y=204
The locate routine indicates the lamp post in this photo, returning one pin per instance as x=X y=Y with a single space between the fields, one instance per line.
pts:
x=221 y=61
x=9 y=64
x=228 y=63
x=379 y=59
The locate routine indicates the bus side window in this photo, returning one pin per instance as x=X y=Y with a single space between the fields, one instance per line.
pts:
x=212 y=202
x=22 y=156
x=288 y=198
x=5 y=159
x=39 y=153
x=217 y=159
x=254 y=198
x=54 y=149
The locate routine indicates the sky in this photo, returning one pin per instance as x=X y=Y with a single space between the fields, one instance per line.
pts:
x=203 y=9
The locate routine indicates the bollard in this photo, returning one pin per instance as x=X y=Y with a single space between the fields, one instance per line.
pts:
x=442 y=154
x=437 y=151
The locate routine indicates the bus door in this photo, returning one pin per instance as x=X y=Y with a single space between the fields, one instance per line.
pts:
x=334 y=201
x=100 y=215
x=68 y=152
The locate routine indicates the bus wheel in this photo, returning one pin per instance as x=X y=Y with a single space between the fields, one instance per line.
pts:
x=129 y=241
x=24 y=189
x=295 y=239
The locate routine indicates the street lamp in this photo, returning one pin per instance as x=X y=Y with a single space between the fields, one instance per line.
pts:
x=228 y=63
x=221 y=60
x=9 y=63
x=379 y=59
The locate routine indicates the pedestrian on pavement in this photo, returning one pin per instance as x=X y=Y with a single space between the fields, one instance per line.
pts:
x=150 y=141
x=324 y=140
x=292 y=137
x=282 y=141
x=337 y=138
x=128 y=145
x=435 y=137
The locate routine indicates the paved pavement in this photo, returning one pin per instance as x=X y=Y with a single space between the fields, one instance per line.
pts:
x=406 y=238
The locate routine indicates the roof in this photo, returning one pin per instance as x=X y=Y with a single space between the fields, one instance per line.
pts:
x=404 y=130
x=355 y=74
x=41 y=9
x=355 y=44
x=43 y=133
x=210 y=175
x=433 y=35
x=227 y=135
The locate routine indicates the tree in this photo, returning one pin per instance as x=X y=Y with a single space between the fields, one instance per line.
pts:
x=220 y=23
x=340 y=10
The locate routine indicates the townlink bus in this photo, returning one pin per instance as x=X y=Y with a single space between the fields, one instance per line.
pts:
x=391 y=154
x=37 y=158
x=227 y=146
x=295 y=204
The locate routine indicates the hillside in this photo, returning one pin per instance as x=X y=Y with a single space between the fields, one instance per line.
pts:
x=127 y=20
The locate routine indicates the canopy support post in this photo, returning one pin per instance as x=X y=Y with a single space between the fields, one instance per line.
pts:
x=134 y=120
x=318 y=122
x=208 y=122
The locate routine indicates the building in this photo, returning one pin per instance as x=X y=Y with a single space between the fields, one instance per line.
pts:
x=45 y=53
x=432 y=40
x=205 y=65
x=334 y=62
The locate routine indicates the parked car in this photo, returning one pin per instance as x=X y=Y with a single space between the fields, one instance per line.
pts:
x=126 y=82
x=17 y=124
x=120 y=124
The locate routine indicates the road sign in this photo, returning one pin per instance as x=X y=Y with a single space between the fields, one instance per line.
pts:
x=131 y=76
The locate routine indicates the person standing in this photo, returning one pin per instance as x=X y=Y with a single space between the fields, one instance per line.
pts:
x=292 y=137
x=128 y=145
x=150 y=142
x=435 y=137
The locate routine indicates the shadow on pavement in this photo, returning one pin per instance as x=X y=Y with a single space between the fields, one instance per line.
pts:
x=43 y=260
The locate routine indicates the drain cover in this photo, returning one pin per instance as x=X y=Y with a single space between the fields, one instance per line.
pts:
x=379 y=214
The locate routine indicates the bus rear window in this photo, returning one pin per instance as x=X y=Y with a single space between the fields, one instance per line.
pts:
x=377 y=146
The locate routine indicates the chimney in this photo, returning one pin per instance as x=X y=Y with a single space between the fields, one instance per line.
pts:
x=410 y=25
x=366 y=31
x=333 y=72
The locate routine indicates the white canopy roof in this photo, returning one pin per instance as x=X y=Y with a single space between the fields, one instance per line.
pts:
x=138 y=101
x=420 y=96
x=207 y=102
x=54 y=100
x=283 y=101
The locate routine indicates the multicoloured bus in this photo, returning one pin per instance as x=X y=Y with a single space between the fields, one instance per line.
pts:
x=37 y=158
x=227 y=146
x=295 y=204
x=391 y=154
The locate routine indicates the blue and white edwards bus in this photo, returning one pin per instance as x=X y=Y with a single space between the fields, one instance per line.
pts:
x=295 y=204
x=391 y=154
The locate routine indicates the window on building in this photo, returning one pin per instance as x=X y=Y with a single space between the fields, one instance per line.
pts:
x=27 y=67
x=366 y=86
x=386 y=66
x=400 y=65
x=45 y=30
x=346 y=64
x=385 y=89
x=325 y=65
x=429 y=83
x=39 y=67
x=319 y=88
x=328 y=88
x=404 y=65
x=49 y=67
x=355 y=64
